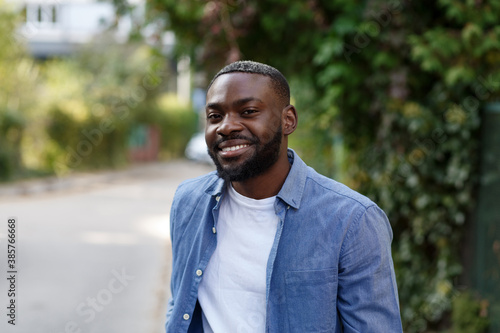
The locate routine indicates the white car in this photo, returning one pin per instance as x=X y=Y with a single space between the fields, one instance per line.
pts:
x=196 y=149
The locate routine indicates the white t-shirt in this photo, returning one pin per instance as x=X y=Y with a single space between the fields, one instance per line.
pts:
x=232 y=293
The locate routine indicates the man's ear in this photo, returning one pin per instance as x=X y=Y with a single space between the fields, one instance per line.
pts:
x=290 y=119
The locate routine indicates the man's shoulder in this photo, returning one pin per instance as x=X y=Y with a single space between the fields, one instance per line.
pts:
x=196 y=186
x=199 y=183
x=309 y=187
x=337 y=190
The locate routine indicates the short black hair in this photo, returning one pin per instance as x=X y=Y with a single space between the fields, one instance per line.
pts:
x=279 y=82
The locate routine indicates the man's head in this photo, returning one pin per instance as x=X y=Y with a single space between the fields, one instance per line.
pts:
x=278 y=81
x=249 y=118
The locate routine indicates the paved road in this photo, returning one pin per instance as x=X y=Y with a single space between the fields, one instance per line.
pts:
x=94 y=255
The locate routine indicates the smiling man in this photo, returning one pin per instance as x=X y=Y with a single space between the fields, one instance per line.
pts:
x=266 y=244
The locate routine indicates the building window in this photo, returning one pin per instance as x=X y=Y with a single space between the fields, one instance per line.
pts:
x=54 y=14
x=41 y=14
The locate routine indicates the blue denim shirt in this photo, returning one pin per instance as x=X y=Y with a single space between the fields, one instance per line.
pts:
x=330 y=267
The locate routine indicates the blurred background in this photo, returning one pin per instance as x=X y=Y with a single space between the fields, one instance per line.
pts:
x=398 y=99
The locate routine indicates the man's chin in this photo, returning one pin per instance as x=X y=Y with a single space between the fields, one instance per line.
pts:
x=245 y=166
x=229 y=172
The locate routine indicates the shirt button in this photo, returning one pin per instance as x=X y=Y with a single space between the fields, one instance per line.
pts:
x=186 y=316
x=199 y=272
x=217 y=198
x=214 y=230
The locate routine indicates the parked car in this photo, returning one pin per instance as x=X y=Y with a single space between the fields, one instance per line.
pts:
x=196 y=149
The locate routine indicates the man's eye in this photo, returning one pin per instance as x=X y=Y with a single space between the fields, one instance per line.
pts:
x=213 y=116
x=249 y=111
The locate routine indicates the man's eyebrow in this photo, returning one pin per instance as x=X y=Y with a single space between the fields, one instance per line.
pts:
x=240 y=102
x=215 y=106
x=243 y=101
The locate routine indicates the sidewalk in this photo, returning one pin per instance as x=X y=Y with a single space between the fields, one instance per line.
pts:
x=86 y=180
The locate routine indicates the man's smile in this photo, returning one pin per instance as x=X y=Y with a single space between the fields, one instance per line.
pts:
x=233 y=148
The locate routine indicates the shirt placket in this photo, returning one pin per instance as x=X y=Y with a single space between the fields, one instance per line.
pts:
x=198 y=271
x=280 y=208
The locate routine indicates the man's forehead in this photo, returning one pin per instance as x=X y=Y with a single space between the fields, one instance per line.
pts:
x=240 y=78
x=237 y=88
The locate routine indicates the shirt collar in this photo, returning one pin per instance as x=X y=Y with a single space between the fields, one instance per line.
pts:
x=292 y=190
x=215 y=186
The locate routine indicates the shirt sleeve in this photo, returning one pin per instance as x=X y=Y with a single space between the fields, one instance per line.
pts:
x=170 y=308
x=171 y=302
x=367 y=291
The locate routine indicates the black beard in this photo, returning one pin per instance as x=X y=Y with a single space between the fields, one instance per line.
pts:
x=262 y=159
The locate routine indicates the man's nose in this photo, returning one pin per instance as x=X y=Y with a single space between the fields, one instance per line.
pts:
x=228 y=125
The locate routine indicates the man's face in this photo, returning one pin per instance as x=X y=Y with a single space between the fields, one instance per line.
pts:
x=244 y=130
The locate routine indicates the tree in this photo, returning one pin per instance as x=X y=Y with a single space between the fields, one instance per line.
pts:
x=18 y=74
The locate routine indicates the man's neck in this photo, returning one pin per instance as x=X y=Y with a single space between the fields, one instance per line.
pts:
x=267 y=184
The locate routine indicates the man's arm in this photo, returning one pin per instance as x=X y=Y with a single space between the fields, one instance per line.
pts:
x=367 y=291
x=170 y=305
x=170 y=309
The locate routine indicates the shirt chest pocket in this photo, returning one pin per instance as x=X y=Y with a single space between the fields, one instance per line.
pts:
x=311 y=298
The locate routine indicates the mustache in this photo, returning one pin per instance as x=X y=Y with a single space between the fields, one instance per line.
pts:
x=253 y=140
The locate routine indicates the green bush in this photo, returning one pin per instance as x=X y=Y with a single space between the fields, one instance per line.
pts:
x=91 y=117
x=469 y=314
x=177 y=124
x=98 y=141
x=102 y=141
x=11 y=131
x=18 y=76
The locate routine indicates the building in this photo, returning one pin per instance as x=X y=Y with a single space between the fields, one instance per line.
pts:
x=58 y=27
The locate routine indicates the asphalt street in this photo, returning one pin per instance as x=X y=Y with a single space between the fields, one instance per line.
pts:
x=92 y=251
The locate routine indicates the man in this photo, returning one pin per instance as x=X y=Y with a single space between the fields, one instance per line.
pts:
x=266 y=244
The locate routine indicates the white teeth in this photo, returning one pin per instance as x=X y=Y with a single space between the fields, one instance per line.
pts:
x=233 y=148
